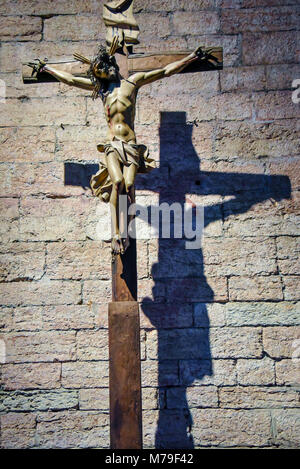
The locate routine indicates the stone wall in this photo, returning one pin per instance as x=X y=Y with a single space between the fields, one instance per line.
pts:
x=220 y=326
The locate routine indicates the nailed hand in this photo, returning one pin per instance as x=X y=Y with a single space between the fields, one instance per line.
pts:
x=200 y=54
x=37 y=66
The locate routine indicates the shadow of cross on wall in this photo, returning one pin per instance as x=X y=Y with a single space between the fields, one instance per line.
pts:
x=178 y=307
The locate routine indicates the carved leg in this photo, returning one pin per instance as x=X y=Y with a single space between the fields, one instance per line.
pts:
x=129 y=177
x=116 y=176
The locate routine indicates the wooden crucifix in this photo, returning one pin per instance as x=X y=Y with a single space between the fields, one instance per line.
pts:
x=116 y=82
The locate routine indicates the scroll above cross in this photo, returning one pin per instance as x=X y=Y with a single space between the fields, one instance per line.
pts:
x=119 y=21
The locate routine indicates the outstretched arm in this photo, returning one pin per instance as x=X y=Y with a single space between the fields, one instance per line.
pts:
x=65 y=77
x=143 y=78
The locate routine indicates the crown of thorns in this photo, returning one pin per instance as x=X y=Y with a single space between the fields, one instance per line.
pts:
x=107 y=57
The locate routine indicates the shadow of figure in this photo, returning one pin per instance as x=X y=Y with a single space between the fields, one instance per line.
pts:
x=183 y=346
x=79 y=174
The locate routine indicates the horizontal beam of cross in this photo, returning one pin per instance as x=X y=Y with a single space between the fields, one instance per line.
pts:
x=133 y=63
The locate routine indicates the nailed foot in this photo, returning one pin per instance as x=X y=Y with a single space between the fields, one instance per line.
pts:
x=117 y=245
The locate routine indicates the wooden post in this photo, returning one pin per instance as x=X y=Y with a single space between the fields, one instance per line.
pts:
x=125 y=376
x=124 y=354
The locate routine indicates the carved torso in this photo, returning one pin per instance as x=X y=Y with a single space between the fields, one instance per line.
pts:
x=119 y=107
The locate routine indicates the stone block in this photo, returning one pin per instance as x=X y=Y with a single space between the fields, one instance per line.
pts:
x=258 y=20
x=231 y=428
x=269 y=47
x=178 y=344
x=281 y=76
x=231 y=106
x=198 y=289
x=255 y=372
x=274 y=105
x=38 y=400
x=205 y=22
x=31 y=376
x=59 y=317
x=243 y=78
x=280 y=342
x=232 y=342
x=288 y=370
x=92 y=345
x=235 y=256
x=9 y=220
x=56 y=430
x=288 y=251
x=262 y=313
x=43 y=292
x=94 y=399
x=22 y=261
x=209 y=315
x=18 y=430
x=47 y=179
x=155 y=25
x=57 y=219
x=96 y=291
x=50 y=111
x=79 y=260
x=48 y=7
x=27 y=144
x=84 y=374
x=255 y=288
x=51 y=346
x=20 y=28
x=236 y=140
x=152 y=398
x=286 y=424
x=161 y=315
x=74 y=28
x=258 y=397
x=291 y=287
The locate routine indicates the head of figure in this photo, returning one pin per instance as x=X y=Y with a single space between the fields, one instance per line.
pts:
x=104 y=66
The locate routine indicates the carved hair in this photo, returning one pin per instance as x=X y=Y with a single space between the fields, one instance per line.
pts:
x=105 y=61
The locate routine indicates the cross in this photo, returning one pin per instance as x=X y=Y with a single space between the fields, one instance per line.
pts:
x=124 y=342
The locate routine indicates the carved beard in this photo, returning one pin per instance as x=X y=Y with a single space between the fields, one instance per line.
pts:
x=101 y=84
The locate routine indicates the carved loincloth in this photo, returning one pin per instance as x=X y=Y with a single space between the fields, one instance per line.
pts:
x=127 y=154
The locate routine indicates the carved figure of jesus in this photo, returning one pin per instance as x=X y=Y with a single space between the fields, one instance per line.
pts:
x=123 y=158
